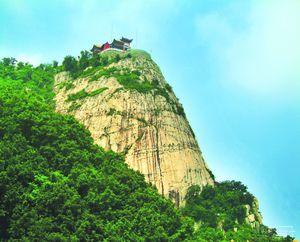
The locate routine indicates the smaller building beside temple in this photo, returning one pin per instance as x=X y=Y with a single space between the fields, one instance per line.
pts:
x=126 y=42
x=122 y=45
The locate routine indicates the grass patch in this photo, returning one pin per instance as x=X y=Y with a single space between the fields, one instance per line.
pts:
x=90 y=71
x=83 y=94
x=138 y=53
x=74 y=106
x=78 y=95
x=180 y=110
x=168 y=88
x=111 y=111
x=106 y=72
x=67 y=85
x=96 y=92
x=132 y=53
x=130 y=81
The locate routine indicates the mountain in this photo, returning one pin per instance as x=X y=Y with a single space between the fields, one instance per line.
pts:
x=129 y=107
x=56 y=184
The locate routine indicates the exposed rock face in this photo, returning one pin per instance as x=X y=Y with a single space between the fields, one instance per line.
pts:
x=253 y=216
x=145 y=121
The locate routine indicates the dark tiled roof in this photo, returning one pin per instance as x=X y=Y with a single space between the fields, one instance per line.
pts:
x=117 y=42
x=126 y=40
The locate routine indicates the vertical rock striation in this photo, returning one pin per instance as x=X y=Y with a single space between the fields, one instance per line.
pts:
x=128 y=107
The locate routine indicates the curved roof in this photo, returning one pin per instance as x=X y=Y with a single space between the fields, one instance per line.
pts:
x=126 y=40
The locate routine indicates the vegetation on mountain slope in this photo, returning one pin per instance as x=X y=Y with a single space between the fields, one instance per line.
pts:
x=56 y=185
x=220 y=212
x=226 y=203
x=93 y=67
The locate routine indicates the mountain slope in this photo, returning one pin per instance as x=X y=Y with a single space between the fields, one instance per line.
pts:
x=56 y=185
x=128 y=107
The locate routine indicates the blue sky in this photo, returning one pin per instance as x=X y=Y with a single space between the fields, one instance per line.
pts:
x=235 y=66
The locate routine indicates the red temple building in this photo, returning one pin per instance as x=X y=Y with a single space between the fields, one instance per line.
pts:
x=122 y=45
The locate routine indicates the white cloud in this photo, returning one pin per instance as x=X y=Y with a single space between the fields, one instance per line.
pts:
x=32 y=59
x=261 y=55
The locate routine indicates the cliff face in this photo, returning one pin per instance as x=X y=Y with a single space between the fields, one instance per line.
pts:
x=253 y=216
x=128 y=107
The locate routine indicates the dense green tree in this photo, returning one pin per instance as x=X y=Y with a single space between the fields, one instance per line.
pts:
x=9 y=61
x=241 y=234
x=70 y=64
x=223 y=203
x=38 y=79
x=220 y=213
x=84 y=59
x=209 y=234
x=55 y=184
x=55 y=64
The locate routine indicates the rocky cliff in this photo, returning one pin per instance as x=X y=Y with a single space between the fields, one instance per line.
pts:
x=253 y=216
x=128 y=107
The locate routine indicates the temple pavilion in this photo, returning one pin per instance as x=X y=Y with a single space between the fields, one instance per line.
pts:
x=122 y=45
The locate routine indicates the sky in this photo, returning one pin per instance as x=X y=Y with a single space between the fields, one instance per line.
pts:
x=235 y=66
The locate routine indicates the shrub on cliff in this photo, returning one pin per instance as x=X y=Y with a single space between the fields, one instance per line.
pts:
x=220 y=204
x=220 y=213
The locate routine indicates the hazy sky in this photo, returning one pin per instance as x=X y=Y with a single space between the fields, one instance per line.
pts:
x=235 y=66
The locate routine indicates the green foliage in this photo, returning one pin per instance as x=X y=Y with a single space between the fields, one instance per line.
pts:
x=94 y=66
x=39 y=79
x=179 y=110
x=131 y=81
x=99 y=72
x=84 y=59
x=70 y=64
x=224 y=203
x=117 y=58
x=169 y=88
x=208 y=234
x=83 y=94
x=55 y=64
x=97 y=91
x=242 y=233
x=78 y=95
x=134 y=53
x=111 y=111
x=9 y=61
x=74 y=106
x=136 y=72
x=208 y=170
x=87 y=63
x=221 y=209
x=56 y=185
x=67 y=85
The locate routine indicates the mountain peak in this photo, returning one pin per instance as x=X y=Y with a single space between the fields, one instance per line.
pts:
x=128 y=107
